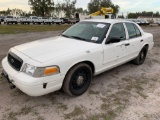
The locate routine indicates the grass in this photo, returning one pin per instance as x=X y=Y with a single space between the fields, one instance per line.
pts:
x=14 y=29
x=93 y=92
x=75 y=113
x=1 y=79
x=62 y=106
x=110 y=115
x=25 y=110
x=12 y=116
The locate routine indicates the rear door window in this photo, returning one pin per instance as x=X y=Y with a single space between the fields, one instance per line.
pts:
x=131 y=30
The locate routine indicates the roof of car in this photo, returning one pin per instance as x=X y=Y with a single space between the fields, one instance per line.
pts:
x=107 y=20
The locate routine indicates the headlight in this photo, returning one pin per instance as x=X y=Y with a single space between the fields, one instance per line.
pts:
x=29 y=69
x=40 y=71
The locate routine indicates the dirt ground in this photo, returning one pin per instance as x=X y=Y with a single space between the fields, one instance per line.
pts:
x=128 y=92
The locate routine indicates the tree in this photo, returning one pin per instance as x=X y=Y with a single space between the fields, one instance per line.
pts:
x=121 y=16
x=144 y=13
x=85 y=12
x=69 y=8
x=42 y=7
x=79 y=10
x=58 y=9
x=116 y=9
x=17 y=12
x=95 y=5
x=105 y=3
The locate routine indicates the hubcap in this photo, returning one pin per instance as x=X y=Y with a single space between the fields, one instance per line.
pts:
x=80 y=80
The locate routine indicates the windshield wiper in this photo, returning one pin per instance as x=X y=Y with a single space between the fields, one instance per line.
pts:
x=78 y=38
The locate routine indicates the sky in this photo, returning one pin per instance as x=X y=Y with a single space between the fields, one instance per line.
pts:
x=126 y=6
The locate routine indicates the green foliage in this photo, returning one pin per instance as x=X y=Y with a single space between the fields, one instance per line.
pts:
x=14 y=12
x=95 y=5
x=69 y=7
x=144 y=13
x=42 y=7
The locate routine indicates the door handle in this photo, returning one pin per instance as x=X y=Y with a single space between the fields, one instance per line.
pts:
x=127 y=44
x=141 y=40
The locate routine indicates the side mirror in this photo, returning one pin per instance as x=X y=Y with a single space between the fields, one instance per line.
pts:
x=114 y=40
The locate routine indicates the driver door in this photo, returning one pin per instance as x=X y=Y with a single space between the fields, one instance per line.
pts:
x=114 y=51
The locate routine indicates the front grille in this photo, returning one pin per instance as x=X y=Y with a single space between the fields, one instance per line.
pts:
x=15 y=61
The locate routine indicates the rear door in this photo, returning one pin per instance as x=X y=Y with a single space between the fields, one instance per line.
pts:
x=135 y=39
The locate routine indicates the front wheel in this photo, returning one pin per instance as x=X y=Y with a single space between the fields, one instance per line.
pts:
x=139 y=60
x=77 y=80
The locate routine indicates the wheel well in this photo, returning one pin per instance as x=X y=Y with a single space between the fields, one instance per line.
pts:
x=91 y=65
x=147 y=46
x=86 y=62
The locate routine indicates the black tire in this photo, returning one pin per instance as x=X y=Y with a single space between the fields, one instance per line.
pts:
x=77 y=80
x=139 y=60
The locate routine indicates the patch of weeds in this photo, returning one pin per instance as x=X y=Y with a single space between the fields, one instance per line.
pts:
x=44 y=105
x=114 y=104
x=93 y=117
x=105 y=106
x=110 y=115
x=17 y=92
x=142 y=95
x=93 y=92
x=62 y=106
x=52 y=99
x=136 y=84
x=146 y=115
x=126 y=79
x=156 y=61
x=35 y=113
x=12 y=116
x=40 y=118
x=21 y=112
x=75 y=113
x=1 y=79
x=25 y=110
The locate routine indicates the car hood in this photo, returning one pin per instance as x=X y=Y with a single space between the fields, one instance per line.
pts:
x=52 y=48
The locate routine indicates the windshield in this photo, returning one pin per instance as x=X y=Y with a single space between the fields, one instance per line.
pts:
x=88 y=31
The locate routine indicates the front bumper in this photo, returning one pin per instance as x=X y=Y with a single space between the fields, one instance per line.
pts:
x=30 y=85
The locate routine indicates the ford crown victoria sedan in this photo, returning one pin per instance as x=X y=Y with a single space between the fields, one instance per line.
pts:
x=69 y=61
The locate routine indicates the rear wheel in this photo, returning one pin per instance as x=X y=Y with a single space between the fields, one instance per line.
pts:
x=77 y=80
x=139 y=60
